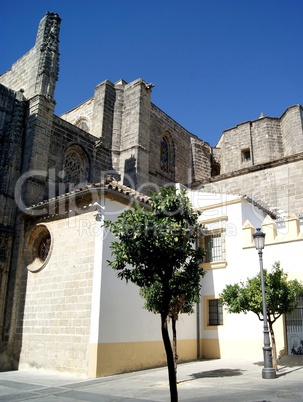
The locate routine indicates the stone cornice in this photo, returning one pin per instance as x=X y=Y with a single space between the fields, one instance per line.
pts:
x=255 y=168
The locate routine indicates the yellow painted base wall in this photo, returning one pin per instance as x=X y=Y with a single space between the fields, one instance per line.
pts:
x=235 y=348
x=250 y=348
x=210 y=349
x=115 y=358
x=232 y=348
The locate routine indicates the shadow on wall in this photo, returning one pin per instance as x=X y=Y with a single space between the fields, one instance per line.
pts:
x=11 y=342
x=210 y=342
x=130 y=177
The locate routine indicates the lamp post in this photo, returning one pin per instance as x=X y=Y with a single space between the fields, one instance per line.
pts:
x=268 y=372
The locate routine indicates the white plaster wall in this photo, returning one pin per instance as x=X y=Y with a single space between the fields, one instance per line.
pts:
x=120 y=313
x=245 y=329
x=238 y=268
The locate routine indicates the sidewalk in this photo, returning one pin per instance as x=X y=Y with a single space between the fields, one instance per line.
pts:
x=209 y=381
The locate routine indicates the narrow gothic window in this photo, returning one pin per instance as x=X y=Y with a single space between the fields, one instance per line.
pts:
x=164 y=155
x=73 y=168
x=83 y=125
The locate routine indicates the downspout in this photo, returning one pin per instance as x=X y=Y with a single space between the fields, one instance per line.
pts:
x=198 y=331
x=198 y=318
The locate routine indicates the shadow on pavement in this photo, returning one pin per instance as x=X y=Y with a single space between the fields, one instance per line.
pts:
x=218 y=373
x=215 y=374
x=281 y=374
x=291 y=360
x=285 y=363
x=260 y=363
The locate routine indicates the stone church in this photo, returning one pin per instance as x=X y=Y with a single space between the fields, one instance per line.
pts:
x=57 y=173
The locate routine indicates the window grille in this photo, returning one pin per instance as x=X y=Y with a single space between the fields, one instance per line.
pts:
x=215 y=312
x=294 y=329
x=214 y=245
x=294 y=320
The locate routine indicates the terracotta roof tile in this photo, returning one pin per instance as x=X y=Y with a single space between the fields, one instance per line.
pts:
x=108 y=184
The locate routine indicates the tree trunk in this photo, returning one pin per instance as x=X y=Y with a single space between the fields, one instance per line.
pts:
x=274 y=346
x=170 y=360
x=173 y=323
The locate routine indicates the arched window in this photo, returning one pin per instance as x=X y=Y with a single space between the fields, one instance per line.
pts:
x=74 y=166
x=164 y=161
x=167 y=164
x=83 y=124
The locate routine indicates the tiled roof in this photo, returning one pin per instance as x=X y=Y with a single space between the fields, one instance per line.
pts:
x=109 y=185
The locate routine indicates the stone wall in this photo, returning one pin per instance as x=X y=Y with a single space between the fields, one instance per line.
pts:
x=191 y=155
x=266 y=139
x=275 y=185
x=97 y=159
x=37 y=71
x=271 y=172
x=135 y=134
x=130 y=127
x=292 y=129
x=12 y=117
x=54 y=322
x=22 y=74
x=201 y=160
x=81 y=112
x=36 y=150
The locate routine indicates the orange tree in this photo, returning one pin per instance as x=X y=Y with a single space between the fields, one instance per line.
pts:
x=155 y=249
x=281 y=298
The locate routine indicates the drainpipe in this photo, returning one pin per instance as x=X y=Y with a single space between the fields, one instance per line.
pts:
x=198 y=331
x=198 y=318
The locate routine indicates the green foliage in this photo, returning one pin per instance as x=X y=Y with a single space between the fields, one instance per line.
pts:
x=281 y=294
x=155 y=251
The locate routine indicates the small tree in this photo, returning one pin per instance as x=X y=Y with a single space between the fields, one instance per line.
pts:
x=156 y=252
x=281 y=298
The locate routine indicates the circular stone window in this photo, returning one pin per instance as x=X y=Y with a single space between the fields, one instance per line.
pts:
x=39 y=246
x=44 y=246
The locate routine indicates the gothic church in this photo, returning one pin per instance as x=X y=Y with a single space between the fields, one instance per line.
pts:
x=117 y=146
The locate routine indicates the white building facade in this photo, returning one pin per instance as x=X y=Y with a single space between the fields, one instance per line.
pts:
x=228 y=224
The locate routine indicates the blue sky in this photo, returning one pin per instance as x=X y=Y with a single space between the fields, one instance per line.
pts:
x=214 y=63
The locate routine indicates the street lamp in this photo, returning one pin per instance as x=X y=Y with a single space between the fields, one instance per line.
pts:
x=268 y=371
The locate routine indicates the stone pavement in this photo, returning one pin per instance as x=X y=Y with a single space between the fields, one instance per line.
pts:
x=207 y=380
